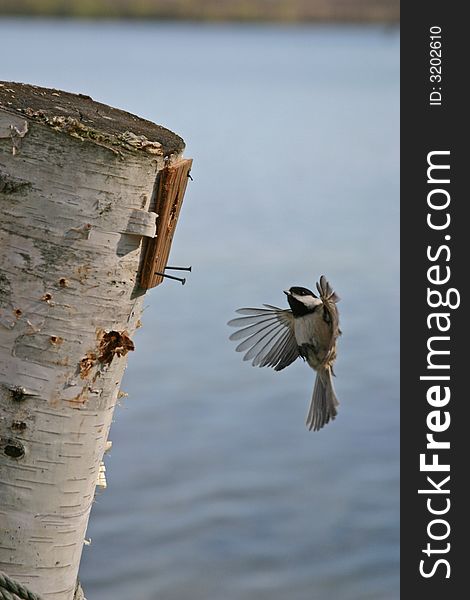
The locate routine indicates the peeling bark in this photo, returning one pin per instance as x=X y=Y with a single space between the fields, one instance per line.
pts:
x=74 y=213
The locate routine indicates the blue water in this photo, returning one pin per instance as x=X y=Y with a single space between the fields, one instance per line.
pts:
x=216 y=490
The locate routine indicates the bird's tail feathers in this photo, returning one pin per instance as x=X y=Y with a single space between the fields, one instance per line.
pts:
x=324 y=401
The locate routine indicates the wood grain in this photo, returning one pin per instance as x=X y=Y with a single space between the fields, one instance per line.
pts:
x=172 y=186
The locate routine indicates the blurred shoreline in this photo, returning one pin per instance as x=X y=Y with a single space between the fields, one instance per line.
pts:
x=280 y=11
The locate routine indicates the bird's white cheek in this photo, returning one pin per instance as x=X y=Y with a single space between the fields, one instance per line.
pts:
x=311 y=302
x=308 y=301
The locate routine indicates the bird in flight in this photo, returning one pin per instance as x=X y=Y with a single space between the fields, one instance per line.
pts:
x=276 y=337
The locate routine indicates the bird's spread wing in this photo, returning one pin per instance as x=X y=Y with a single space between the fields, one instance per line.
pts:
x=268 y=336
x=329 y=299
x=326 y=291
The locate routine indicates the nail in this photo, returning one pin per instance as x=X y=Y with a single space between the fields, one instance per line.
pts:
x=181 y=279
x=179 y=268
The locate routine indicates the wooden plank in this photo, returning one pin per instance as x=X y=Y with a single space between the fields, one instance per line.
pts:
x=171 y=189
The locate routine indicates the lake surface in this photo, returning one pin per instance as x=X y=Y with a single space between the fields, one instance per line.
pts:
x=216 y=490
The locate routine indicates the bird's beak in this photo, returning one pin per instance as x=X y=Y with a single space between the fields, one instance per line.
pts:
x=286 y=292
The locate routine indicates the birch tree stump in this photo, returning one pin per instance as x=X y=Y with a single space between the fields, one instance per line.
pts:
x=77 y=188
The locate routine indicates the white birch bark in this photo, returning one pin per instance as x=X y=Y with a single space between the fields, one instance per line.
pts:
x=73 y=214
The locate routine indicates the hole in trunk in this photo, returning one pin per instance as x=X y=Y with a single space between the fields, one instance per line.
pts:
x=14 y=449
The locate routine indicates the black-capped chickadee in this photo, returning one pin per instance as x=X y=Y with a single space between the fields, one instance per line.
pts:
x=275 y=337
